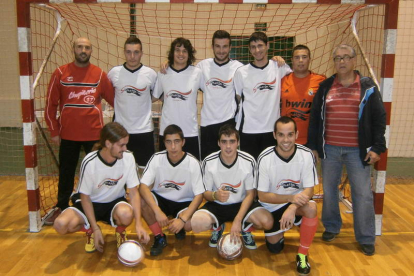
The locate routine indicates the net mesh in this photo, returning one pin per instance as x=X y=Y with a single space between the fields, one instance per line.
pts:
x=107 y=25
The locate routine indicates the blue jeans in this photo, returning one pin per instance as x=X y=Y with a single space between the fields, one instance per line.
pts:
x=362 y=196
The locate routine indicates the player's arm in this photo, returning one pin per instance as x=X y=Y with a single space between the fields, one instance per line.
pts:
x=108 y=91
x=90 y=214
x=237 y=222
x=163 y=67
x=52 y=104
x=177 y=224
x=135 y=201
x=146 y=194
x=288 y=217
x=299 y=199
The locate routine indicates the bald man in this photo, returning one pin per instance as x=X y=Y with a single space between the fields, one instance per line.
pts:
x=76 y=90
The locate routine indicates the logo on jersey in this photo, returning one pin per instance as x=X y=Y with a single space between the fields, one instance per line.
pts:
x=89 y=99
x=178 y=95
x=264 y=86
x=310 y=92
x=81 y=93
x=69 y=79
x=295 y=109
x=288 y=184
x=109 y=182
x=230 y=187
x=169 y=184
x=217 y=83
x=133 y=90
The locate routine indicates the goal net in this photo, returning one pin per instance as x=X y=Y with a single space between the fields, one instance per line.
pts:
x=319 y=26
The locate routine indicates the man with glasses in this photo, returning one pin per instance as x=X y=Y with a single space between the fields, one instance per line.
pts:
x=347 y=127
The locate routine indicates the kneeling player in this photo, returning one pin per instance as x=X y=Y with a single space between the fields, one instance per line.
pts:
x=101 y=192
x=172 y=186
x=229 y=176
x=286 y=177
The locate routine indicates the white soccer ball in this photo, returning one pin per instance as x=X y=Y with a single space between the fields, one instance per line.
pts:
x=130 y=253
x=228 y=249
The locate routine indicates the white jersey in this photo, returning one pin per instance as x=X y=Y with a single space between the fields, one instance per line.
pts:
x=285 y=176
x=178 y=182
x=260 y=92
x=104 y=182
x=133 y=97
x=219 y=97
x=237 y=178
x=180 y=98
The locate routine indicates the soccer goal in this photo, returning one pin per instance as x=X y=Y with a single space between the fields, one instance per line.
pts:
x=47 y=29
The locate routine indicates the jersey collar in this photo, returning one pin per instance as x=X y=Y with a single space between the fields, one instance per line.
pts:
x=179 y=162
x=232 y=164
x=103 y=161
x=132 y=71
x=284 y=159
x=179 y=71
x=251 y=63
x=222 y=64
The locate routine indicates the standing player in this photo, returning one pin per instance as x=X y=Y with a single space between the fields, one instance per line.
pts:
x=298 y=90
x=171 y=186
x=179 y=87
x=76 y=90
x=286 y=177
x=229 y=177
x=258 y=85
x=133 y=83
x=219 y=97
x=101 y=192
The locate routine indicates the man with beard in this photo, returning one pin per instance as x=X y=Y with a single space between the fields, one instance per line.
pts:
x=105 y=175
x=76 y=90
x=258 y=84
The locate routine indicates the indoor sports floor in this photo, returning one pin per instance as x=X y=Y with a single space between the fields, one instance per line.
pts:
x=47 y=253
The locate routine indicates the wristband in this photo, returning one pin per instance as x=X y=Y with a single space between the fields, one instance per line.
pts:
x=214 y=195
x=182 y=220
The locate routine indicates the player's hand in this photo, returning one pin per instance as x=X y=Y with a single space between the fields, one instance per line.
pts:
x=99 y=240
x=56 y=140
x=316 y=154
x=142 y=234
x=222 y=195
x=161 y=219
x=300 y=199
x=176 y=225
x=288 y=218
x=280 y=61
x=164 y=67
x=235 y=230
x=371 y=157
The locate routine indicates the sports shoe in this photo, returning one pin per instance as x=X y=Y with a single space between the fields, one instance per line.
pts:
x=368 y=249
x=302 y=265
x=180 y=235
x=216 y=235
x=50 y=219
x=248 y=240
x=90 y=241
x=159 y=243
x=121 y=237
x=328 y=236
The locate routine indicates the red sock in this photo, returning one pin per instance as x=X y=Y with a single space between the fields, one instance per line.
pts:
x=250 y=229
x=120 y=229
x=155 y=229
x=307 y=232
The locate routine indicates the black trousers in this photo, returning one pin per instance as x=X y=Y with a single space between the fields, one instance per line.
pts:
x=68 y=160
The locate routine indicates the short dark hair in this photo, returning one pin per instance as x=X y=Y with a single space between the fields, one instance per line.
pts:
x=173 y=129
x=112 y=132
x=220 y=34
x=228 y=130
x=181 y=41
x=258 y=36
x=132 y=40
x=285 y=120
x=301 y=47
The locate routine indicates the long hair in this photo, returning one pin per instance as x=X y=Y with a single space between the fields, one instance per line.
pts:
x=113 y=132
x=181 y=41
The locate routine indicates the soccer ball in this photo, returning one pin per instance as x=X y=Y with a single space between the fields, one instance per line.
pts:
x=130 y=253
x=227 y=249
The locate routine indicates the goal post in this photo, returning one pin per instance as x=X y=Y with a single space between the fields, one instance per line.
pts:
x=320 y=24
